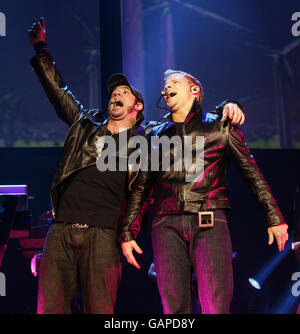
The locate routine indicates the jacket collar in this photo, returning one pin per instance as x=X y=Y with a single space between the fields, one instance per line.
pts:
x=137 y=127
x=96 y=116
x=195 y=109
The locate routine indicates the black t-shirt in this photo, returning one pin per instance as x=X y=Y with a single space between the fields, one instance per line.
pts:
x=93 y=197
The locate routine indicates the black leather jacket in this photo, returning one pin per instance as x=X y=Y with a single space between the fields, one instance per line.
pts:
x=224 y=142
x=78 y=150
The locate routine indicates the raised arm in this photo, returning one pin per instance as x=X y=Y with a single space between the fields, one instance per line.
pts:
x=64 y=102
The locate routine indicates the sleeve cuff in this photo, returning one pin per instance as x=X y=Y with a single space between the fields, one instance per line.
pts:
x=126 y=236
x=40 y=48
x=220 y=107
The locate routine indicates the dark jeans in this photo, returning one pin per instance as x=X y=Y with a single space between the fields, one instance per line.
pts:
x=180 y=246
x=93 y=256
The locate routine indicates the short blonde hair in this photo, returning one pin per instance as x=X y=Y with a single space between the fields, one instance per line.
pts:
x=191 y=79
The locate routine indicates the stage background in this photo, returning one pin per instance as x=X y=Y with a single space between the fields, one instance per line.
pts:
x=243 y=50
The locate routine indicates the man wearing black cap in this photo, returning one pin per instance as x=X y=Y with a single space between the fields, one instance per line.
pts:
x=87 y=204
x=82 y=241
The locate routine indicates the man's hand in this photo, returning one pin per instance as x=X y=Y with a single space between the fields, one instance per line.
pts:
x=37 y=32
x=233 y=111
x=127 y=249
x=280 y=234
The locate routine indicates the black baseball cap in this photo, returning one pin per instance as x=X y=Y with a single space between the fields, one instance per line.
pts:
x=120 y=79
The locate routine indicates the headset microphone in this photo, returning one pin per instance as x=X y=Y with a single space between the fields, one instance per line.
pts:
x=163 y=93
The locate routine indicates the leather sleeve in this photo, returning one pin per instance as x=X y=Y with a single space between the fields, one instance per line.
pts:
x=137 y=206
x=140 y=197
x=241 y=155
x=64 y=102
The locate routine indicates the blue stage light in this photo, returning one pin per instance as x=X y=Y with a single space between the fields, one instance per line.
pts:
x=254 y=283
x=260 y=277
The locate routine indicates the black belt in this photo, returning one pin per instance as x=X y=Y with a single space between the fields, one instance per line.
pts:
x=74 y=225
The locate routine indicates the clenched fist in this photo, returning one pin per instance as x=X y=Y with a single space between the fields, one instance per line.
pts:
x=37 y=32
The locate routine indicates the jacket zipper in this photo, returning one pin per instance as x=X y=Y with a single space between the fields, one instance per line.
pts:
x=182 y=134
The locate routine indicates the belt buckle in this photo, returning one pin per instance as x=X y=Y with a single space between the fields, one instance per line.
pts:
x=206 y=219
x=79 y=226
